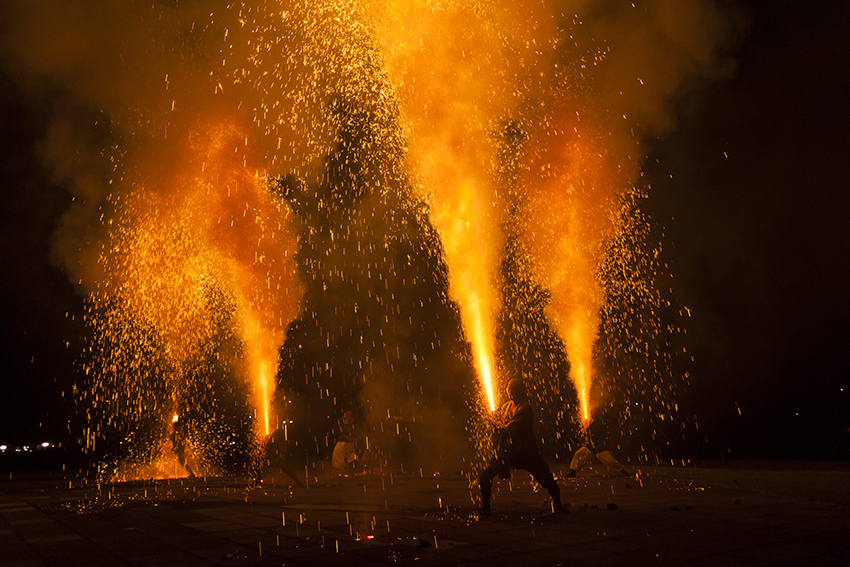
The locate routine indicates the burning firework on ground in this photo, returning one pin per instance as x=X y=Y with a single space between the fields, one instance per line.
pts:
x=361 y=205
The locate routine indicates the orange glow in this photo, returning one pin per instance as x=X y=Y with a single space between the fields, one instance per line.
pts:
x=444 y=65
x=165 y=465
x=497 y=111
x=471 y=258
x=570 y=210
x=209 y=227
x=254 y=254
x=261 y=359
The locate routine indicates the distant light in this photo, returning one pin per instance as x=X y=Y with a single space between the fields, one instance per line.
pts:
x=370 y=537
x=3 y=448
x=45 y=444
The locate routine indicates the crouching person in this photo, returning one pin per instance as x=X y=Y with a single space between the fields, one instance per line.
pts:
x=516 y=448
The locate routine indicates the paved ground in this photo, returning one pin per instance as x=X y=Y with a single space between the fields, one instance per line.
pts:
x=663 y=516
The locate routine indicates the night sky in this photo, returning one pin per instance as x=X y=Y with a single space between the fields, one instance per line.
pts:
x=750 y=188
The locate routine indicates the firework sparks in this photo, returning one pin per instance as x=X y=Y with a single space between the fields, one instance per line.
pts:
x=245 y=122
x=445 y=65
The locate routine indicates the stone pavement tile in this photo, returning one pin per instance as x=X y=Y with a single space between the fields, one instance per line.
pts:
x=255 y=521
x=23 y=563
x=706 y=529
x=474 y=552
x=816 y=525
x=726 y=560
x=213 y=526
x=625 y=560
x=508 y=542
x=839 y=558
x=181 y=537
x=792 y=530
x=244 y=517
x=190 y=541
x=342 y=529
x=797 y=530
x=45 y=531
x=245 y=536
x=665 y=555
x=80 y=553
x=176 y=516
x=328 y=557
x=124 y=542
x=752 y=522
x=403 y=555
x=182 y=561
x=530 y=560
x=343 y=543
x=496 y=524
x=15 y=551
x=787 y=551
x=232 y=554
x=58 y=538
x=562 y=536
x=682 y=551
x=837 y=539
x=735 y=536
x=25 y=517
x=294 y=549
x=158 y=557
x=410 y=525
x=135 y=546
x=18 y=510
x=99 y=528
x=28 y=521
x=575 y=553
x=623 y=545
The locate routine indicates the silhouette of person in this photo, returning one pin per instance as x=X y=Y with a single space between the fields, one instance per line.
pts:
x=345 y=451
x=179 y=442
x=516 y=448
x=278 y=455
x=596 y=446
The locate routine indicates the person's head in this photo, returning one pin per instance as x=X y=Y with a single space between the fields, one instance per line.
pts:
x=516 y=390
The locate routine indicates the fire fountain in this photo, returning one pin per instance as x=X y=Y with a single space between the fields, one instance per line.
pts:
x=281 y=159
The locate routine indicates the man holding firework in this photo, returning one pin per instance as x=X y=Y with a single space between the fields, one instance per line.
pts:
x=516 y=448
